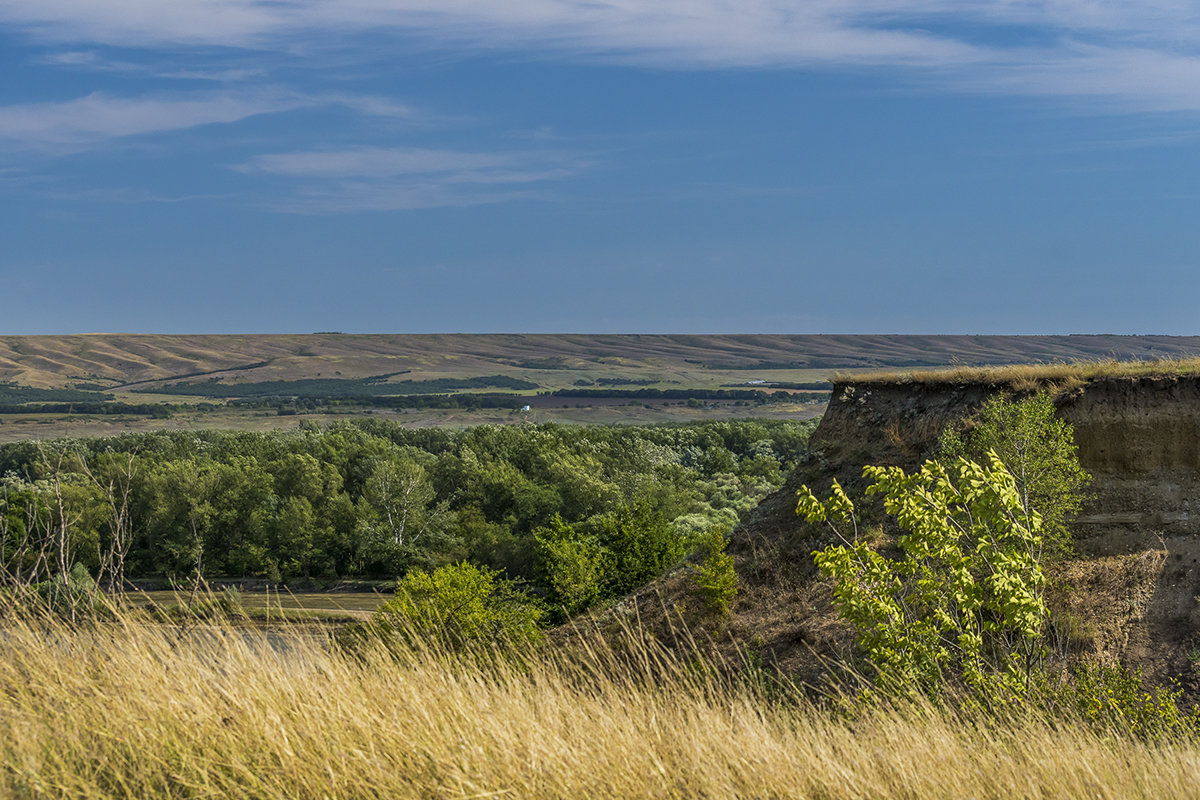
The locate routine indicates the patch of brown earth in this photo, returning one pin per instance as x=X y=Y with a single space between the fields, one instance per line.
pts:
x=1130 y=593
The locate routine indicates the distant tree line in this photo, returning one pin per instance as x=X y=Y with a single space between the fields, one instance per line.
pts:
x=338 y=387
x=621 y=382
x=12 y=393
x=806 y=385
x=155 y=410
x=464 y=400
x=755 y=395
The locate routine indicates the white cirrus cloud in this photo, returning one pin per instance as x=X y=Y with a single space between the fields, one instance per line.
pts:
x=87 y=122
x=140 y=23
x=378 y=161
x=352 y=197
x=394 y=178
x=375 y=106
x=127 y=196
x=1139 y=53
x=1148 y=80
x=714 y=32
x=84 y=122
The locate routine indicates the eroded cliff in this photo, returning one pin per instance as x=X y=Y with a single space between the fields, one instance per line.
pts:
x=1139 y=437
x=1130 y=592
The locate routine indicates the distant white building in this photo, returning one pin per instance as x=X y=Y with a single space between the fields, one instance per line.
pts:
x=524 y=408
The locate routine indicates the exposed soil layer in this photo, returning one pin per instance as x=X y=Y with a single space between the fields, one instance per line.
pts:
x=1130 y=592
x=1139 y=437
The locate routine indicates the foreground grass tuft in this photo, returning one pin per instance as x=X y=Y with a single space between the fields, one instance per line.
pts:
x=132 y=709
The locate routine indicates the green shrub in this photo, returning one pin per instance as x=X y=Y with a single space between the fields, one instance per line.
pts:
x=966 y=597
x=640 y=544
x=1039 y=449
x=1115 y=700
x=714 y=579
x=72 y=597
x=573 y=566
x=462 y=606
x=608 y=555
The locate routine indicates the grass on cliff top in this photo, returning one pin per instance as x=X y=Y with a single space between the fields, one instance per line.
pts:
x=131 y=709
x=1034 y=376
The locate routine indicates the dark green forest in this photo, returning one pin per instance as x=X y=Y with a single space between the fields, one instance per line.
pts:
x=371 y=498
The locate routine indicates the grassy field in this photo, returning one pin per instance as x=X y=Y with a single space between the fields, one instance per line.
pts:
x=334 y=606
x=133 y=710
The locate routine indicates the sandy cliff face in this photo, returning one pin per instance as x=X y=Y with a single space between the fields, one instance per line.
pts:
x=1141 y=441
x=1139 y=437
x=1132 y=591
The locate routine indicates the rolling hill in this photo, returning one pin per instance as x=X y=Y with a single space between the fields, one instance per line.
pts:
x=136 y=362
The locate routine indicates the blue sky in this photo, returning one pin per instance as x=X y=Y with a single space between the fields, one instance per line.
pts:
x=850 y=166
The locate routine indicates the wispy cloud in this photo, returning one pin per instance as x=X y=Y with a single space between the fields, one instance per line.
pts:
x=85 y=122
x=382 y=161
x=375 y=106
x=95 y=119
x=1115 y=79
x=139 y=23
x=214 y=75
x=715 y=32
x=73 y=58
x=127 y=196
x=95 y=61
x=382 y=179
x=1143 y=54
x=18 y=177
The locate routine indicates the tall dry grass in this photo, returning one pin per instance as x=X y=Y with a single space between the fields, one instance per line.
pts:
x=132 y=709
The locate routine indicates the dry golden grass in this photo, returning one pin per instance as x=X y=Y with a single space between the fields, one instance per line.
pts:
x=137 y=710
x=1034 y=376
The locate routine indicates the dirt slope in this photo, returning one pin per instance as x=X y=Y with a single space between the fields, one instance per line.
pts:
x=1132 y=592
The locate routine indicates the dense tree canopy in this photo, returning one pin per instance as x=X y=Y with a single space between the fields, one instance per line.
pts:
x=374 y=498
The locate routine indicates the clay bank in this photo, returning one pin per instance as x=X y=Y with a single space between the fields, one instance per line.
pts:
x=1130 y=590
x=1139 y=436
